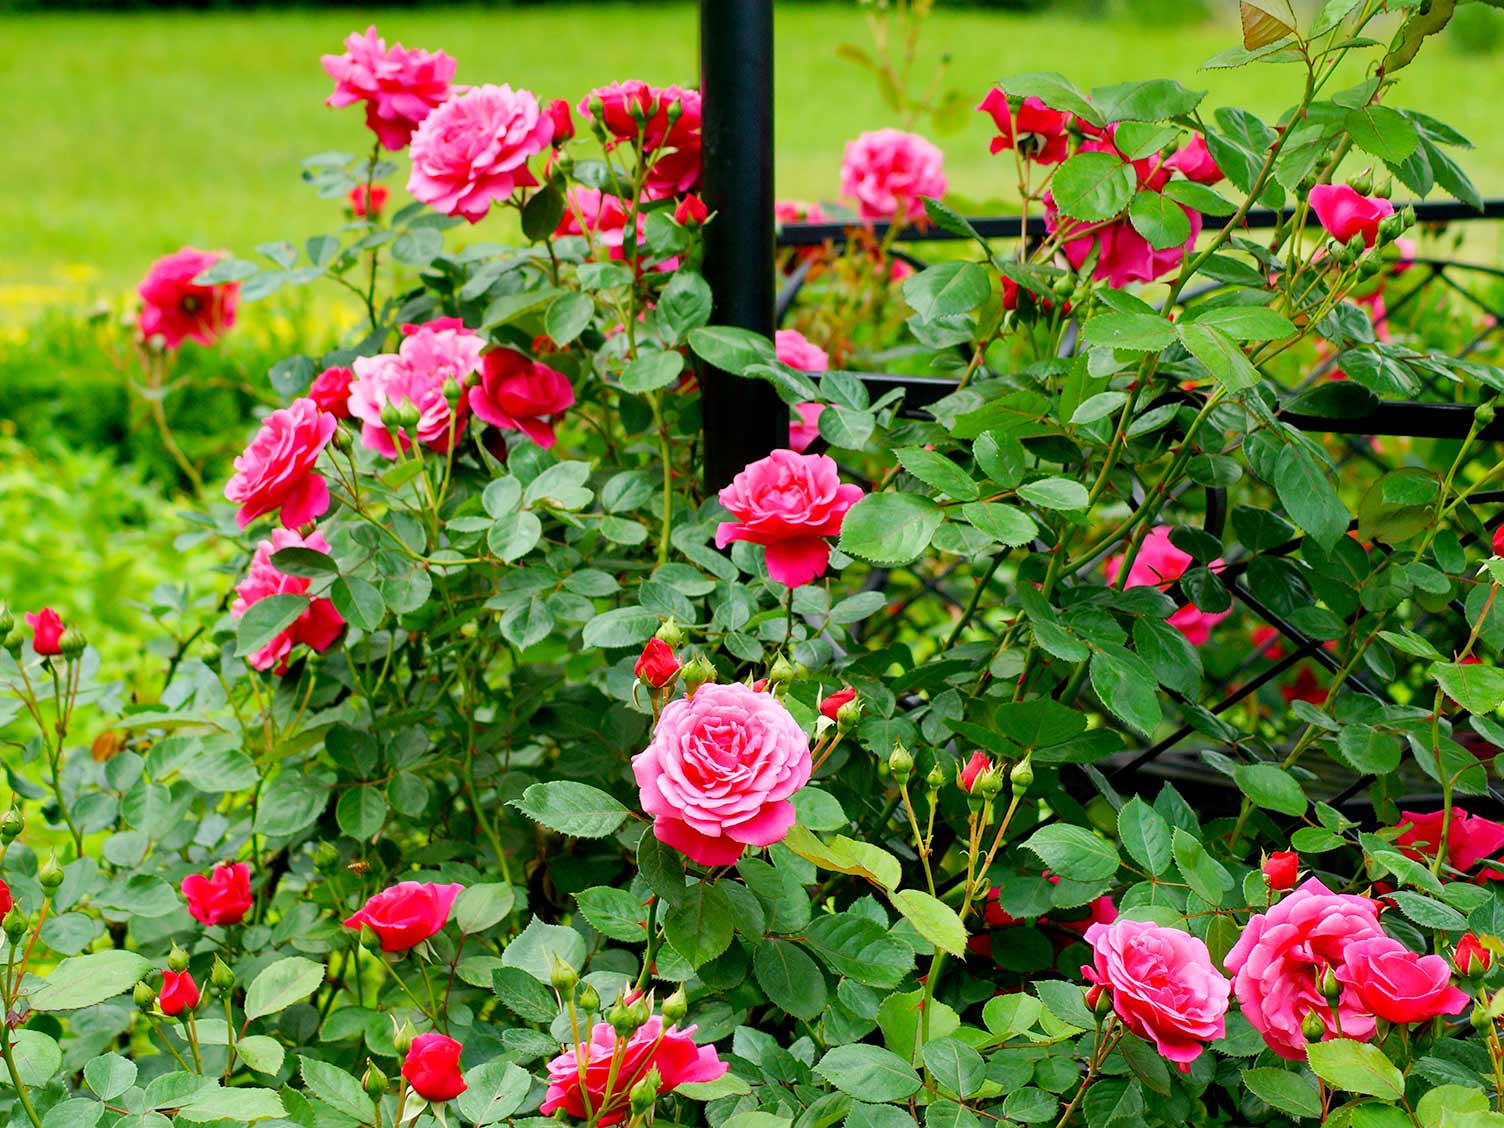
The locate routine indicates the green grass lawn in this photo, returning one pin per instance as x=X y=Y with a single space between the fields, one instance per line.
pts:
x=131 y=135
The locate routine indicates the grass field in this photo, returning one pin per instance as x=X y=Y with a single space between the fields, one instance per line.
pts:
x=131 y=135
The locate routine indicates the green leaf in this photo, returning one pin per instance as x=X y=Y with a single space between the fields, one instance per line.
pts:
x=1160 y=220
x=1198 y=197
x=684 y=305
x=1429 y=913
x=1271 y=787
x=1074 y=852
x=888 y=528
x=792 y=981
x=1145 y=834
x=1223 y=357
x=869 y=1073
x=1065 y=1001
x=479 y=907
x=542 y=212
x=1358 y=1067
x=358 y=601
x=1055 y=91
x=1149 y=100
x=85 y=981
x=1386 y=133
x=567 y=316
x=494 y=1092
x=1476 y=687
x=654 y=369
x=307 y=562
x=956 y=1066
x=700 y=925
x=242 y=1104
x=574 y=809
x=1203 y=873
x=541 y=946
x=1003 y=523
x=1125 y=685
x=1292 y=1093
x=623 y=627
x=614 y=913
x=109 y=1076
x=1094 y=186
x=265 y=619
x=281 y=984
x=514 y=535
x=936 y=470
x=947 y=289
x=731 y=350
x=37 y=1055
x=337 y=1089
x=262 y=1053
x=1308 y=496
x=1055 y=493
x=936 y=921
x=418 y=246
x=1136 y=332
x=361 y=812
x=1246 y=323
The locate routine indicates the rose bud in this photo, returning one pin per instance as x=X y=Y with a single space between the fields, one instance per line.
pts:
x=656 y=666
x=831 y=705
x=691 y=212
x=1471 y=959
x=432 y=1068
x=179 y=993
x=558 y=113
x=46 y=631
x=979 y=763
x=1281 y=869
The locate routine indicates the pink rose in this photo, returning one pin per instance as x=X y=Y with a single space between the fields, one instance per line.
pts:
x=518 y=394
x=804 y=426
x=603 y=218
x=887 y=171
x=331 y=391
x=1279 y=961
x=1159 y=564
x=789 y=503
x=1194 y=161
x=1037 y=132
x=399 y=86
x=1470 y=839
x=797 y=351
x=1126 y=256
x=1163 y=986
x=719 y=771
x=429 y=357
x=224 y=897
x=316 y=628
x=474 y=149
x=175 y=309
x=1397 y=985
x=1344 y=213
x=276 y=470
x=672 y=1052
x=406 y=914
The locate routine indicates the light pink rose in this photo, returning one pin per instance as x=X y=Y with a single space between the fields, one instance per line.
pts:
x=672 y=1052
x=1279 y=961
x=1398 y=985
x=804 y=426
x=1159 y=564
x=406 y=914
x=429 y=356
x=474 y=149
x=176 y=310
x=518 y=394
x=797 y=351
x=276 y=469
x=1194 y=161
x=1163 y=986
x=399 y=86
x=887 y=171
x=316 y=628
x=719 y=771
x=789 y=503
x=1345 y=213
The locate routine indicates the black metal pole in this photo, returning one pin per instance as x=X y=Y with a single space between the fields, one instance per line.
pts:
x=744 y=419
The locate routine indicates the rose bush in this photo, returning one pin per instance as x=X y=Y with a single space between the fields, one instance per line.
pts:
x=519 y=774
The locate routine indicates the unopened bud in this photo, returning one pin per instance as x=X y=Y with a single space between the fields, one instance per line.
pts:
x=639 y=1014
x=675 y=1006
x=669 y=632
x=143 y=996
x=340 y=439
x=989 y=784
x=1064 y=286
x=588 y=998
x=781 y=672
x=452 y=391
x=1483 y=414
x=697 y=671
x=373 y=1081
x=1361 y=184
x=73 y=643
x=11 y=824
x=1480 y=1018
x=50 y=874
x=368 y=938
x=222 y=975
x=675 y=112
x=7 y=620
x=1100 y=1001
x=563 y=977
x=1312 y=1027
x=408 y=414
x=645 y=1093
x=596 y=107
x=391 y=417
x=1368 y=266
x=1331 y=986
x=1408 y=215
x=936 y=779
x=620 y=1018
x=1353 y=249
x=177 y=959
x=1022 y=776
x=900 y=763
x=1384 y=188
x=402 y=1037
x=15 y=923
x=848 y=716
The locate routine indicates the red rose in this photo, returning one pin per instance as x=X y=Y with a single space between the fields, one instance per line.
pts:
x=980 y=762
x=1499 y=541
x=368 y=200
x=179 y=993
x=1037 y=132
x=6 y=900
x=1396 y=984
x=175 y=309
x=46 y=631
x=1281 y=869
x=831 y=706
x=1471 y=958
x=1469 y=839
x=223 y=897
x=406 y=915
x=558 y=112
x=656 y=666
x=432 y=1068
x=518 y=394
x=331 y=391
x=691 y=212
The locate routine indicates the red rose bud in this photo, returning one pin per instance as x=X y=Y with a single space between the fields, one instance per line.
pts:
x=980 y=762
x=1280 y=870
x=368 y=200
x=1471 y=959
x=1499 y=541
x=691 y=212
x=656 y=666
x=6 y=900
x=179 y=993
x=432 y=1068
x=558 y=113
x=831 y=706
x=46 y=631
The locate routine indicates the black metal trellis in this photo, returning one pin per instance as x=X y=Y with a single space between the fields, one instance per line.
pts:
x=745 y=420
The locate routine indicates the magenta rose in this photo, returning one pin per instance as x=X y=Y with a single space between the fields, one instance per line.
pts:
x=276 y=470
x=1159 y=564
x=719 y=771
x=797 y=351
x=1345 y=213
x=518 y=394
x=671 y=148
x=622 y=104
x=789 y=503
x=887 y=171
x=1279 y=961
x=1162 y=984
x=1036 y=131
x=223 y=897
x=432 y=1067
x=672 y=1052
x=474 y=149
x=176 y=309
x=1194 y=161
x=316 y=628
x=406 y=914
x=804 y=426
x=400 y=86
x=430 y=356
x=1398 y=985
x=47 y=632
x=331 y=391
x=1469 y=839
x=1125 y=255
